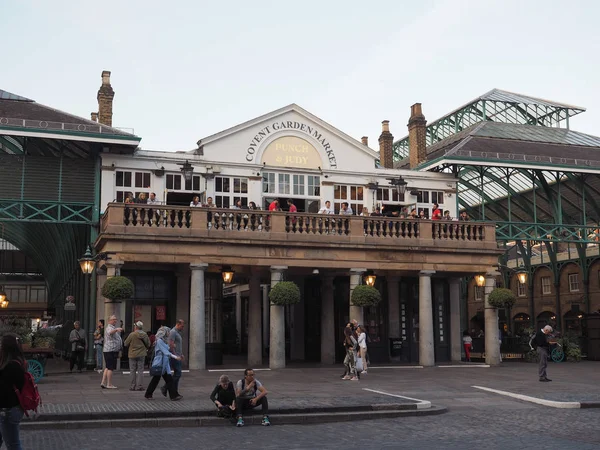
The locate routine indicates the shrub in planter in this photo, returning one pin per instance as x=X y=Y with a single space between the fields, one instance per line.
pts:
x=574 y=353
x=502 y=298
x=364 y=295
x=118 y=288
x=285 y=293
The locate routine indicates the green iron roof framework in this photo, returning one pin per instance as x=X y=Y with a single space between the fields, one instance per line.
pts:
x=495 y=106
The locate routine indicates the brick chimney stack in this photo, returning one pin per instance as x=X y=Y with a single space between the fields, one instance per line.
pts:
x=386 y=140
x=105 y=100
x=94 y=117
x=365 y=140
x=417 y=145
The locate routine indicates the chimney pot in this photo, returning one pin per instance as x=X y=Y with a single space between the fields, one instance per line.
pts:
x=386 y=144
x=365 y=140
x=417 y=133
x=105 y=97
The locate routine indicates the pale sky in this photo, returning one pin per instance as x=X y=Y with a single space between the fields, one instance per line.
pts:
x=183 y=70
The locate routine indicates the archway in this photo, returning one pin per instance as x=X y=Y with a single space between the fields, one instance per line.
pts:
x=520 y=322
x=546 y=318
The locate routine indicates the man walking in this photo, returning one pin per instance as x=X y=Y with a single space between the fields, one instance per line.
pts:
x=543 y=348
x=176 y=347
x=78 y=347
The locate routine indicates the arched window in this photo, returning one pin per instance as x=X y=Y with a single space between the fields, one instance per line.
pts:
x=520 y=322
x=546 y=318
x=573 y=322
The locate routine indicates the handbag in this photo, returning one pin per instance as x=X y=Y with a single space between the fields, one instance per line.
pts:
x=79 y=347
x=156 y=371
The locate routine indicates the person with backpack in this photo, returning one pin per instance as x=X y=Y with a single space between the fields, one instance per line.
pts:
x=249 y=394
x=12 y=381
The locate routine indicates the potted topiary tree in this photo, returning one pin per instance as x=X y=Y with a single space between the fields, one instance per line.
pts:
x=364 y=295
x=502 y=298
x=285 y=293
x=118 y=288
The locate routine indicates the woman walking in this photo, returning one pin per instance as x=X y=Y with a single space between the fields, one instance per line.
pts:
x=362 y=347
x=160 y=365
x=12 y=375
x=99 y=344
x=468 y=344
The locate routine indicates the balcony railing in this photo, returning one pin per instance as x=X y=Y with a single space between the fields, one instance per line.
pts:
x=212 y=222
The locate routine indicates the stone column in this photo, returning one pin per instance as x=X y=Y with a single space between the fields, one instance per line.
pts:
x=356 y=312
x=197 y=356
x=277 y=343
x=113 y=269
x=393 y=290
x=265 y=314
x=254 y=322
x=238 y=317
x=426 y=351
x=492 y=344
x=328 y=340
x=455 y=334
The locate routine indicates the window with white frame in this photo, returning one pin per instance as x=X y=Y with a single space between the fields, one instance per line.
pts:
x=285 y=184
x=437 y=197
x=298 y=184
x=354 y=195
x=546 y=285
x=521 y=289
x=573 y=282
x=478 y=293
x=314 y=185
x=268 y=183
x=228 y=190
x=176 y=182
x=131 y=183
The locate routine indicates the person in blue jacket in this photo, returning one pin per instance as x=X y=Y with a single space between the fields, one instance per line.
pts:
x=160 y=366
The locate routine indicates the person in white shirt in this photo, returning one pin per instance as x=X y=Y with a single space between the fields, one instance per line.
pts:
x=468 y=344
x=195 y=203
x=362 y=347
x=346 y=209
x=365 y=212
x=326 y=209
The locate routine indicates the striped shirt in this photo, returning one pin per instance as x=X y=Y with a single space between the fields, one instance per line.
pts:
x=112 y=342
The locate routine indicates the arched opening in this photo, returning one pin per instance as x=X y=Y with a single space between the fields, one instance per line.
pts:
x=520 y=322
x=546 y=318
x=573 y=322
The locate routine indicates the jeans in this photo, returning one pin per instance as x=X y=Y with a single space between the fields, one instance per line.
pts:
x=176 y=367
x=136 y=367
x=168 y=383
x=77 y=358
x=244 y=403
x=99 y=356
x=10 y=420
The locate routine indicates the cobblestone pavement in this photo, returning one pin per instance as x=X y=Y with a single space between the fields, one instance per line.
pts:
x=532 y=428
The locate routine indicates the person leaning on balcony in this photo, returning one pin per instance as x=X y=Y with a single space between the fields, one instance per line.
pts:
x=153 y=214
x=195 y=203
x=463 y=216
x=274 y=206
x=326 y=209
x=346 y=210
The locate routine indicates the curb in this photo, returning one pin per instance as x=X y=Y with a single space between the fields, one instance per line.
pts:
x=540 y=401
x=277 y=418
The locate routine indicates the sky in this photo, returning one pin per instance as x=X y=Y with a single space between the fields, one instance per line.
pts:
x=183 y=70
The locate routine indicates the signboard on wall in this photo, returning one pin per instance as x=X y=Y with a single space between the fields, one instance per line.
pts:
x=161 y=313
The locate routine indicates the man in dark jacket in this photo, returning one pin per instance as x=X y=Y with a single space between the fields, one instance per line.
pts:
x=543 y=349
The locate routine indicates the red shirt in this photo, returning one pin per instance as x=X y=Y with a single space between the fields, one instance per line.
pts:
x=293 y=208
x=272 y=206
x=436 y=214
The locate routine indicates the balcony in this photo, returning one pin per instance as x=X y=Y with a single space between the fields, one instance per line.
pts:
x=177 y=234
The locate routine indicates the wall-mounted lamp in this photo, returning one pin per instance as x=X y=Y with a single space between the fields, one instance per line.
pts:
x=187 y=170
x=399 y=183
x=370 y=278
x=480 y=280
x=88 y=262
x=227 y=274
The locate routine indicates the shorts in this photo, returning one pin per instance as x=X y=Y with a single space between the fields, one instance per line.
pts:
x=110 y=359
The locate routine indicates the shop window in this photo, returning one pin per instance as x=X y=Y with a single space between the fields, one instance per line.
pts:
x=521 y=290
x=268 y=183
x=298 y=184
x=573 y=282
x=478 y=293
x=284 y=183
x=174 y=182
x=546 y=285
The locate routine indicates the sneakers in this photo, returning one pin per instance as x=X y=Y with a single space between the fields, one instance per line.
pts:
x=176 y=399
x=354 y=379
x=266 y=422
x=240 y=422
x=347 y=377
x=364 y=371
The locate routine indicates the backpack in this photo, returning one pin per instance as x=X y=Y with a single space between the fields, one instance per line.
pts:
x=29 y=397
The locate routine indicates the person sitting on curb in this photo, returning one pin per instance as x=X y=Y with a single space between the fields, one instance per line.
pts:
x=223 y=396
x=249 y=394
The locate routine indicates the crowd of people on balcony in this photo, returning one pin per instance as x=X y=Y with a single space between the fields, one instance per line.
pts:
x=345 y=208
